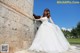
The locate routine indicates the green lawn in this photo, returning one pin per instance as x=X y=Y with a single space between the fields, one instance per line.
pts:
x=74 y=41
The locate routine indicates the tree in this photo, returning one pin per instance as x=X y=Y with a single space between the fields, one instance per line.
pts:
x=74 y=33
x=78 y=29
x=67 y=33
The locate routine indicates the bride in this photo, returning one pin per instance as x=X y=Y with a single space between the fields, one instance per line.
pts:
x=49 y=37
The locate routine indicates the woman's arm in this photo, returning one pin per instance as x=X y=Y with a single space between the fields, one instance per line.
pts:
x=51 y=20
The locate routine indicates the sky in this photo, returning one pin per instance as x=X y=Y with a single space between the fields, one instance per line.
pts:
x=63 y=15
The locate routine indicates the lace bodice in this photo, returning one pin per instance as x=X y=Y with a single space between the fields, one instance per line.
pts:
x=45 y=19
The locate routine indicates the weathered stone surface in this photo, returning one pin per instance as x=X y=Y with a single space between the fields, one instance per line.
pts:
x=24 y=5
x=16 y=25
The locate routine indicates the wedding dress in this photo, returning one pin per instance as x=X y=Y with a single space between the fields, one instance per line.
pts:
x=49 y=38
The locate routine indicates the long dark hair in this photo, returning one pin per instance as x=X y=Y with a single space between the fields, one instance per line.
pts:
x=48 y=13
x=36 y=16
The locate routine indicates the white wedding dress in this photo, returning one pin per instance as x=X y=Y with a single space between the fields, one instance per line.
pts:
x=49 y=38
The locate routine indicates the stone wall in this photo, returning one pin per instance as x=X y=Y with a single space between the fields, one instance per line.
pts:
x=16 y=24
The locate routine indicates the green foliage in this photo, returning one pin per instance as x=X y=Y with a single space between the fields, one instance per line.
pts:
x=78 y=29
x=67 y=33
x=75 y=32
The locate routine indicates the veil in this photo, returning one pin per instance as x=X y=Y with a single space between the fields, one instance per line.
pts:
x=51 y=20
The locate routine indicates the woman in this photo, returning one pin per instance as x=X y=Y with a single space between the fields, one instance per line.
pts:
x=37 y=23
x=49 y=37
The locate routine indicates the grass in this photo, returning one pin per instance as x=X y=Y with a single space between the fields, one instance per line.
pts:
x=74 y=41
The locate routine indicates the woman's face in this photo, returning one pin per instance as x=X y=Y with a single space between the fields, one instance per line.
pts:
x=45 y=12
x=48 y=13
